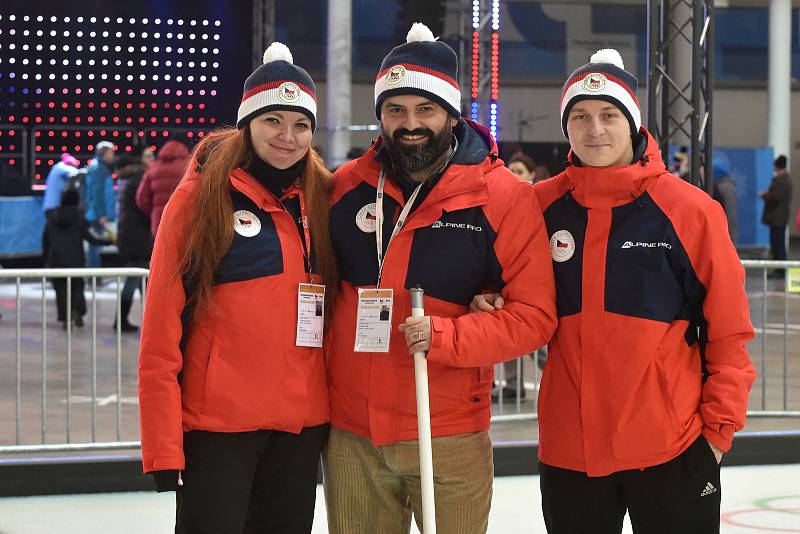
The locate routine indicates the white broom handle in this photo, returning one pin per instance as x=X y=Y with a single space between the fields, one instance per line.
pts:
x=424 y=425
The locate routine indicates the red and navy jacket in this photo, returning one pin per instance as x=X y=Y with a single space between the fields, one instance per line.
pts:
x=236 y=368
x=650 y=350
x=477 y=228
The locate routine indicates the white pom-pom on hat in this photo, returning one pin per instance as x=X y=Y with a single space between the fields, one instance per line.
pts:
x=419 y=32
x=277 y=52
x=608 y=55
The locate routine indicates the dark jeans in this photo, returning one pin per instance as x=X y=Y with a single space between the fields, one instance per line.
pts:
x=93 y=260
x=249 y=482
x=680 y=496
x=777 y=242
x=133 y=283
x=77 y=297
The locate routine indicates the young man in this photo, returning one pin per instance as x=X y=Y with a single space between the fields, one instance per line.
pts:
x=648 y=374
x=432 y=196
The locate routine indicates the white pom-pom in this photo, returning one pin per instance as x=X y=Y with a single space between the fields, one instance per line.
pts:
x=419 y=32
x=276 y=52
x=608 y=55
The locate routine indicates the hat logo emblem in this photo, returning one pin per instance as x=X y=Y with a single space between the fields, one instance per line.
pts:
x=395 y=75
x=289 y=92
x=595 y=82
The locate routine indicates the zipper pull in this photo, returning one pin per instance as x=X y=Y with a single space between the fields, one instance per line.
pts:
x=180 y=479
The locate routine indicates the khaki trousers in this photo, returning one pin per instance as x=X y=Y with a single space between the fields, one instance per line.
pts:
x=374 y=490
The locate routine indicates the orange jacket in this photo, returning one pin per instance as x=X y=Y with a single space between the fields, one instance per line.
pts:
x=650 y=350
x=237 y=369
x=479 y=227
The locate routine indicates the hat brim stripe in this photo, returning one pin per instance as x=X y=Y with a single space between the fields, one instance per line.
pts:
x=612 y=89
x=270 y=97
x=275 y=85
x=420 y=68
x=423 y=81
x=610 y=77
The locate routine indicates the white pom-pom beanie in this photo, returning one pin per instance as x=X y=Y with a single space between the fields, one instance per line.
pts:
x=603 y=78
x=278 y=84
x=422 y=66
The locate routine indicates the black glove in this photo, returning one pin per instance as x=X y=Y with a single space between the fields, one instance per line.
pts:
x=166 y=480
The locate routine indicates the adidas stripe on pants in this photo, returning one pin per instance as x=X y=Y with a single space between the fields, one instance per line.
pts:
x=680 y=496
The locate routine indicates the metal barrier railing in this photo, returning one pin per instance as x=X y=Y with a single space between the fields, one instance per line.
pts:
x=44 y=275
x=522 y=409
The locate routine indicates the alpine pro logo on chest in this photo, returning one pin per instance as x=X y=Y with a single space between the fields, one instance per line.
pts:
x=457 y=226
x=644 y=244
x=562 y=246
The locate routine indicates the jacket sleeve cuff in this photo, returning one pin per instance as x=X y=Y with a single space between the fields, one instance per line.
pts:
x=722 y=438
x=163 y=463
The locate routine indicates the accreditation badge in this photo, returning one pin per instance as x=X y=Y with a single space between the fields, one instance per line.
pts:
x=374 y=320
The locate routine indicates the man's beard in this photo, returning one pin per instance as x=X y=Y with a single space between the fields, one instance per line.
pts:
x=408 y=159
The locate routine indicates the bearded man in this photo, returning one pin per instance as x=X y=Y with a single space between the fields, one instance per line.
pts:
x=429 y=204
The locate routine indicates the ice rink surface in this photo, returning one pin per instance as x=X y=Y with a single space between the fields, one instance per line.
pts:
x=754 y=500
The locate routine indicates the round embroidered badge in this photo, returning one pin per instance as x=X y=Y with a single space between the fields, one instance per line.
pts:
x=246 y=223
x=365 y=218
x=595 y=82
x=562 y=246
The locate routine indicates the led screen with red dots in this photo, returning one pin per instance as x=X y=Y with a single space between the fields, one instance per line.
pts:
x=70 y=81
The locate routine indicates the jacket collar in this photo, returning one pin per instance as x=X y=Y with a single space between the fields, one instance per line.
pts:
x=596 y=187
x=243 y=182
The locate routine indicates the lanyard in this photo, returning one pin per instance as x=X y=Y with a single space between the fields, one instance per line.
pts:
x=379 y=221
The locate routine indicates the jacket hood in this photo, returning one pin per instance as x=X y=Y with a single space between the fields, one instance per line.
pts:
x=173 y=150
x=605 y=186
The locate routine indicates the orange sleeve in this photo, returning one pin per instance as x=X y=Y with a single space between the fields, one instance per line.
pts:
x=160 y=357
x=528 y=318
x=731 y=374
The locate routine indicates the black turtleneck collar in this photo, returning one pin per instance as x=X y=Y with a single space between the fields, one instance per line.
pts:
x=275 y=179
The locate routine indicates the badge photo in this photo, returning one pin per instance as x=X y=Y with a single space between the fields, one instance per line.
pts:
x=562 y=246
x=595 y=82
x=246 y=223
x=289 y=92
x=366 y=217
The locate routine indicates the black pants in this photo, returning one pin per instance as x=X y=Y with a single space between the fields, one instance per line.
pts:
x=77 y=297
x=777 y=242
x=249 y=482
x=681 y=496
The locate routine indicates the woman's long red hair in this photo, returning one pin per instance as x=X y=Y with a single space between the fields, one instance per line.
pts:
x=210 y=233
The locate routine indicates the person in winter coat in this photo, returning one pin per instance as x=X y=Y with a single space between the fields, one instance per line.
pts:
x=66 y=230
x=724 y=192
x=99 y=195
x=648 y=374
x=232 y=387
x=777 y=205
x=134 y=241
x=160 y=181
x=58 y=180
x=433 y=197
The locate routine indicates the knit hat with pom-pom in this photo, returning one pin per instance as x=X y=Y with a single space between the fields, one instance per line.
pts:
x=278 y=84
x=603 y=78
x=422 y=66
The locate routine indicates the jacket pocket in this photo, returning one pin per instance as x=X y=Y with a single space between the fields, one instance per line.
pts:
x=663 y=386
x=211 y=372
